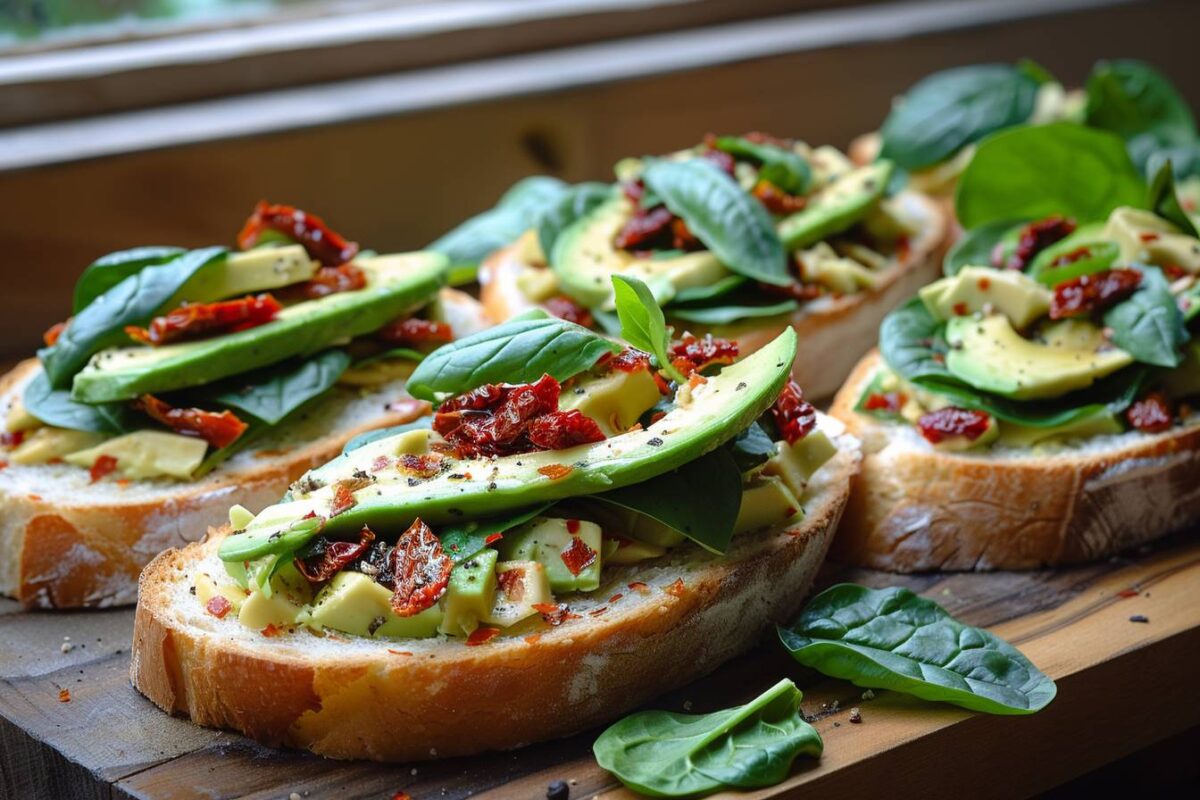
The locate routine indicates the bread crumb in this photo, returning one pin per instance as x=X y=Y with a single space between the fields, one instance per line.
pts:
x=855 y=716
x=869 y=694
x=294 y=796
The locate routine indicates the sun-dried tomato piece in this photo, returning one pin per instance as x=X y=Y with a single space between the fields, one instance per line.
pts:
x=512 y=583
x=776 y=200
x=493 y=419
x=50 y=337
x=559 y=430
x=1090 y=293
x=628 y=360
x=720 y=159
x=1033 y=239
x=102 y=466
x=326 y=557
x=692 y=354
x=420 y=570
x=309 y=230
x=578 y=556
x=343 y=499
x=937 y=426
x=554 y=614
x=682 y=237
x=796 y=290
x=891 y=402
x=327 y=281
x=218 y=606
x=415 y=331
x=420 y=465
x=642 y=230
x=197 y=320
x=564 y=307
x=794 y=416
x=218 y=429
x=1151 y=413
x=9 y=440
x=482 y=635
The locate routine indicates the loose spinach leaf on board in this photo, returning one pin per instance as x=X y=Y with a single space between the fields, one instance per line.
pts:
x=465 y=539
x=518 y=351
x=893 y=639
x=779 y=166
x=1164 y=200
x=133 y=301
x=1131 y=98
x=271 y=394
x=1032 y=172
x=670 y=499
x=729 y=221
x=975 y=247
x=1149 y=325
x=949 y=110
x=751 y=448
x=107 y=271
x=727 y=313
x=642 y=322
x=664 y=754
x=55 y=407
x=574 y=203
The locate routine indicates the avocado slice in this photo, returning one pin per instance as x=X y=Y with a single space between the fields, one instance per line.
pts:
x=395 y=284
x=717 y=410
x=470 y=594
x=836 y=207
x=990 y=355
x=974 y=289
x=257 y=270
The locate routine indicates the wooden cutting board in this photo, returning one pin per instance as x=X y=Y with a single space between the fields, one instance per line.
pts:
x=71 y=725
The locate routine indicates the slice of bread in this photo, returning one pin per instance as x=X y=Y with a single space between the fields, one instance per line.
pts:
x=66 y=542
x=649 y=627
x=834 y=330
x=916 y=508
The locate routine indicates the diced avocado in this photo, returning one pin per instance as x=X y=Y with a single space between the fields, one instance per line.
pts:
x=354 y=603
x=989 y=355
x=891 y=219
x=524 y=584
x=487 y=487
x=796 y=463
x=240 y=517
x=827 y=163
x=471 y=593
x=290 y=594
x=1024 y=436
x=551 y=542
x=822 y=265
x=983 y=289
x=538 y=284
x=837 y=206
x=46 y=444
x=1184 y=380
x=630 y=551
x=1147 y=238
x=258 y=270
x=18 y=419
x=147 y=454
x=378 y=372
x=395 y=285
x=766 y=502
x=207 y=588
x=615 y=400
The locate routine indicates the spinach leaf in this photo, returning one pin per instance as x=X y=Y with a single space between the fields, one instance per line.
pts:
x=729 y=221
x=133 y=301
x=396 y=352
x=1130 y=98
x=975 y=247
x=751 y=448
x=55 y=407
x=107 y=271
x=463 y=540
x=893 y=639
x=664 y=754
x=271 y=394
x=574 y=203
x=670 y=499
x=1150 y=154
x=1164 y=200
x=784 y=168
x=723 y=286
x=518 y=351
x=425 y=422
x=642 y=322
x=725 y=314
x=1032 y=172
x=912 y=343
x=515 y=213
x=949 y=110
x=1189 y=303
x=1149 y=325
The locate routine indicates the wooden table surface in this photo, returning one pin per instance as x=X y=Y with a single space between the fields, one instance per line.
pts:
x=1123 y=686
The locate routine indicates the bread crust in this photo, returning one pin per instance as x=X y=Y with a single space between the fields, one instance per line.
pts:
x=364 y=699
x=914 y=508
x=834 y=331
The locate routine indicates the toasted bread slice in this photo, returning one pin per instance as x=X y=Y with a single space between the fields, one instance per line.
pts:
x=914 y=507
x=66 y=542
x=834 y=330
x=650 y=626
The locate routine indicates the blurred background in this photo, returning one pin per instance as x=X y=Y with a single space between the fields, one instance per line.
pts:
x=127 y=122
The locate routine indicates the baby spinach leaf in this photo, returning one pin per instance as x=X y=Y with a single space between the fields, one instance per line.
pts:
x=780 y=166
x=1032 y=172
x=664 y=754
x=949 y=110
x=133 y=301
x=1036 y=71
x=425 y=422
x=574 y=203
x=1130 y=97
x=725 y=314
x=107 y=271
x=751 y=448
x=1164 y=200
x=723 y=286
x=642 y=322
x=518 y=351
x=396 y=352
x=463 y=540
x=911 y=341
x=975 y=247
x=893 y=639
x=1149 y=325
x=1150 y=154
x=729 y=221
x=55 y=407
x=271 y=394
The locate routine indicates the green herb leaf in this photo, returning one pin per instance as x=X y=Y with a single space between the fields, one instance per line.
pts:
x=465 y=539
x=912 y=342
x=405 y=353
x=1035 y=171
x=107 y=271
x=949 y=110
x=1164 y=200
x=664 y=754
x=518 y=351
x=725 y=314
x=642 y=322
x=576 y=202
x=1149 y=325
x=722 y=286
x=975 y=247
x=784 y=168
x=271 y=394
x=729 y=221
x=55 y=407
x=893 y=639
x=751 y=448
x=1130 y=98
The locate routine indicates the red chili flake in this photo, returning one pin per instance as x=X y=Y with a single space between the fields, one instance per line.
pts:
x=35 y=497
x=3 y=465
x=309 y=230
x=197 y=320
x=415 y=331
x=628 y=360
x=553 y=613
x=1173 y=271
x=984 y=283
x=343 y=500
x=327 y=281
x=1089 y=293
x=696 y=379
x=11 y=440
x=380 y=463
x=595 y=612
x=890 y=402
x=615 y=598
x=401 y=796
x=482 y=635
x=512 y=583
x=1151 y=414
x=1148 y=236
x=104 y=465
x=639 y=586
x=1034 y=238
x=420 y=569
x=1128 y=593
x=559 y=430
x=493 y=538
x=692 y=354
x=578 y=556
x=676 y=589
x=794 y=416
x=271 y=630
x=64 y=695
x=533 y=638
x=400 y=652
x=961 y=309
x=326 y=557
x=572 y=526
x=937 y=426
x=555 y=471
x=776 y=200
x=564 y=307
x=50 y=337
x=218 y=429
x=218 y=606
x=643 y=228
